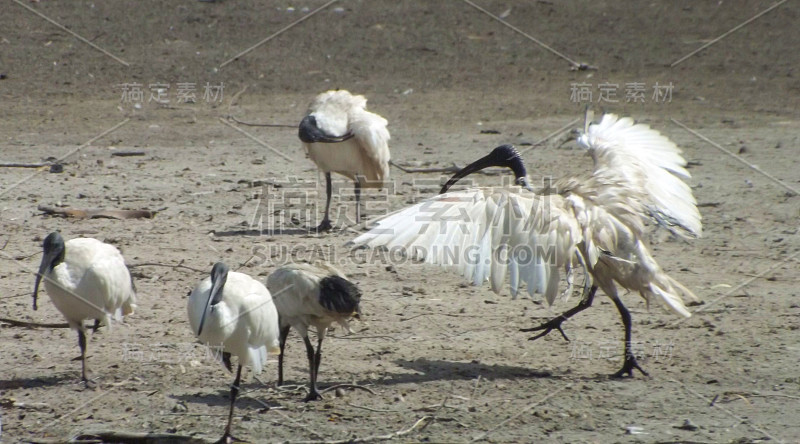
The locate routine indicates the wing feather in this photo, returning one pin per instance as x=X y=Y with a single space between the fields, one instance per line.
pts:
x=487 y=234
x=639 y=158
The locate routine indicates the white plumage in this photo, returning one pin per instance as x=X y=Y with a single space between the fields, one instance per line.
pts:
x=312 y=296
x=85 y=279
x=236 y=312
x=341 y=136
x=597 y=222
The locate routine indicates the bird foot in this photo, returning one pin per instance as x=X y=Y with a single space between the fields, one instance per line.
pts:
x=628 y=366
x=313 y=396
x=89 y=384
x=548 y=326
x=324 y=226
x=227 y=438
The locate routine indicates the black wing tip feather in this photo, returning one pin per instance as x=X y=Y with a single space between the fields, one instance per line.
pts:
x=339 y=295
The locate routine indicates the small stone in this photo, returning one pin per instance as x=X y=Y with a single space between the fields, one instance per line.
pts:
x=180 y=407
x=687 y=425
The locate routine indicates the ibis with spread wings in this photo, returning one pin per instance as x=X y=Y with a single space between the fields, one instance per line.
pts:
x=536 y=237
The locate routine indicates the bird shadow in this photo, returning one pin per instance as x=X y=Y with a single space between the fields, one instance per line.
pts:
x=37 y=381
x=438 y=370
x=222 y=398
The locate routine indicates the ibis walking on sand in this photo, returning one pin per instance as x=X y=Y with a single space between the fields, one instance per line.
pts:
x=312 y=295
x=86 y=279
x=341 y=136
x=236 y=312
x=530 y=236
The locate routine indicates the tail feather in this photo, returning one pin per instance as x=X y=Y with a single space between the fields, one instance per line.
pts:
x=671 y=294
x=257 y=357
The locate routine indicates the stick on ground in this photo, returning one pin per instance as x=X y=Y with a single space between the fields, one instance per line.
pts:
x=97 y=213
x=269 y=125
x=452 y=169
x=373 y=438
x=16 y=323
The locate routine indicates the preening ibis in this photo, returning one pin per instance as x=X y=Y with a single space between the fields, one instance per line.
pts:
x=312 y=295
x=86 y=279
x=596 y=221
x=341 y=136
x=235 y=311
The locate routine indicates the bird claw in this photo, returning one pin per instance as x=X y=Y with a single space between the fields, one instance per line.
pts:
x=324 y=226
x=227 y=438
x=548 y=326
x=89 y=384
x=627 y=368
x=313 y=396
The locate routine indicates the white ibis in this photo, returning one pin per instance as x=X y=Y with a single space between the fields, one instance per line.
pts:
x=341 y=136
x=597 y=221
x=312 y=295
x=235 y=311
x=86 y=279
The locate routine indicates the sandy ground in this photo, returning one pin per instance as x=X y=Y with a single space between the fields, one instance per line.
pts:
x=429 y=346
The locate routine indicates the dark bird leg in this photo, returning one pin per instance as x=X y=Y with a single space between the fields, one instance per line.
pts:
x=283 y=335
x=555 y=323
x=313 y=394
x=357 y=192
x=317 y=359
x=82 y=343
x=96 y=326
x=630 y=360
x=227 y=437
x=226 y=361
x=326 y=221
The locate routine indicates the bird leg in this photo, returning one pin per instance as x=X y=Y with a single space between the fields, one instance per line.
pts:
x=283 y=335
x=226 y=361
x=82 y=343
x=313 y=394
x=317 y=358
x=630 y=360
x=96 y=326
x=555 y=323
x=326 y=221
x=357 y=192
x=227 y=437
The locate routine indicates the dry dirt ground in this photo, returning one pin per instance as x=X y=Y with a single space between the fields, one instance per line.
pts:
x=429 y=346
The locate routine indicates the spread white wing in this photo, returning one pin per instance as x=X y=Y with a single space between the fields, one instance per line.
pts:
x=488 y=234
x=645 y=161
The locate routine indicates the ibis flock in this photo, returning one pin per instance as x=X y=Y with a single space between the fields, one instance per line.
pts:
x=516 y=236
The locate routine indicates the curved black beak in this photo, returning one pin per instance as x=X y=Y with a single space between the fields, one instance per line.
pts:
x=484 y=162
x=309 y=132
x=502 y=156
x=219 y=274
x=53 y=247
x=47 y=260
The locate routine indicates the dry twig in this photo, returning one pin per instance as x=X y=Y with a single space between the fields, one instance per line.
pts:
x=16 y=323
x=352 y=386
x=127 y=153
x=97 y=213
x=24 y=165
x=424 y=421
x=269 y=125
x=451 y=169
x=483 y=435
x=175 y=266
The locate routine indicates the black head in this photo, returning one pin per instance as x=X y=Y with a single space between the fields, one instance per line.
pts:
x=219 y=275
x=503 y=156
x=310 y=132
x=339 y=295
x=54 y=252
